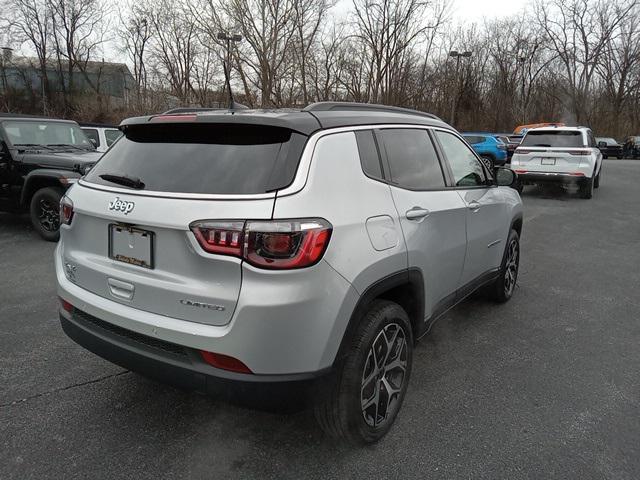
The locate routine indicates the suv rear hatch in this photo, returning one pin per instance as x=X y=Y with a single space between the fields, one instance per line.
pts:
x=557 y=151
x=130 y=239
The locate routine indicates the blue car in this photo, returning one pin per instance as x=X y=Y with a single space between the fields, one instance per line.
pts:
x=491 y=149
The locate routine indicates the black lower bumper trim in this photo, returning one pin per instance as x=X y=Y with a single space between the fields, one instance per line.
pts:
x=265 y=392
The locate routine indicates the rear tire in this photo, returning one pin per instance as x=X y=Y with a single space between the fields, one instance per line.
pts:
x=363 y=397
x=45 y=212
x=501 y=290
x=586 y=188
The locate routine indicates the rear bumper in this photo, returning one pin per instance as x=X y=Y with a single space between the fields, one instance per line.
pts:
x=549 y=177
x=183 y=367
x=282 y=324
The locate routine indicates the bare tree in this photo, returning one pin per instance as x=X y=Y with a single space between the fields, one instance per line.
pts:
x=32 y=21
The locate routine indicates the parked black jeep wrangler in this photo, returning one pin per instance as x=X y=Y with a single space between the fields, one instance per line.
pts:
x=39 y=159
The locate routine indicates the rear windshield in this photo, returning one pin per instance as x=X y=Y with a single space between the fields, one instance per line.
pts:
x=202 y=158
x=560 y=138
x=474 y=139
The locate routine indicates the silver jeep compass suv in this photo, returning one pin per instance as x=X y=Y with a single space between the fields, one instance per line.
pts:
x=257 y=253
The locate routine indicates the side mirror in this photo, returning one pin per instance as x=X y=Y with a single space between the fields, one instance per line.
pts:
x=505 y=177
x=602 y=144
x=93 y=142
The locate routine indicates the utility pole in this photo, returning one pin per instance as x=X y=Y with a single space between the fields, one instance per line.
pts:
x=226 y=64
x=457 y=55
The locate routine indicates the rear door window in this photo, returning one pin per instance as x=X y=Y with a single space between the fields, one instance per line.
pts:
x=203 y=158
x=558 y=138
x=412 y=158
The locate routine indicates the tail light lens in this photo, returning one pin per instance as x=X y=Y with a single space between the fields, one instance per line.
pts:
x=579 y=152
x=66 y=211
x=225 y=238
x=274 y=245
x=523 y=151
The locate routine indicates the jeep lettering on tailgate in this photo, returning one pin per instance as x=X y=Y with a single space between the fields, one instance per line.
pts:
x=121 y=206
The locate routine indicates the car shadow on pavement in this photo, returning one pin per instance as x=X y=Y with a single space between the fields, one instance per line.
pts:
x=555 y=192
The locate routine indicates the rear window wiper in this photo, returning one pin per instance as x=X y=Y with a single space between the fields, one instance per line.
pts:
x=123 y=180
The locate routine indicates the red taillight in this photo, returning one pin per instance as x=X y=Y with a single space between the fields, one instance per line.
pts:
x=578 y=152
x=520 y=171
x=225 y=238
x=224 y=362
x=286 y=244
x=66 y=211
x=523 y=151
x=275 y=245
x=577 y=174
x=173 y=118
x=66 y=306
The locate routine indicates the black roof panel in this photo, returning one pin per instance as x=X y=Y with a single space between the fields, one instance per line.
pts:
x=316 y=117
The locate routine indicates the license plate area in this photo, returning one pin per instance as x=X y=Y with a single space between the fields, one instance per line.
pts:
x=131 y=245
x=548 y=161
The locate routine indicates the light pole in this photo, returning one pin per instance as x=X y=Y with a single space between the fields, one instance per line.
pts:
x=457 y=55
x=226 y=64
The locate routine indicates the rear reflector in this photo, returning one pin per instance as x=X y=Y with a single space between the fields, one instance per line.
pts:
x=66 y=306
x=224 y=362
x=520 y=171
x=577 y=174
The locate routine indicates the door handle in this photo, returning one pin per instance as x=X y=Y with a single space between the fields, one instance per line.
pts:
x=416 y=213
x=474 y=205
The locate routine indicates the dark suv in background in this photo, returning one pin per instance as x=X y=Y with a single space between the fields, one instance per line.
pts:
x=39 y=159
x=610 y=147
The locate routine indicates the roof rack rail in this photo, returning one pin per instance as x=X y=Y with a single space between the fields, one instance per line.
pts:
x=190 y=110
x=368 y=107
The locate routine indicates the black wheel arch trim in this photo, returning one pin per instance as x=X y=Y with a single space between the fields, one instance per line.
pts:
x=517 y=220
x=48 y=178
x=412 y=278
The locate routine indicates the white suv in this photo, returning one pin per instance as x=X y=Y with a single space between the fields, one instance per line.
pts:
x=259 y=253
x=567 y=155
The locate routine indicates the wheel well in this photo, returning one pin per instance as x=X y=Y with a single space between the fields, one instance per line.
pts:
x=33 y=185
x=410 y=300
x=405 y=288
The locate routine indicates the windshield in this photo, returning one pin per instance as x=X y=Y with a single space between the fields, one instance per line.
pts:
x=554 y=138
x=42 y=132
x=201 y=158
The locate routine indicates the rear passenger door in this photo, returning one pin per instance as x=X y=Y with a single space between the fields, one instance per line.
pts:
x=485 y=208
x=432 y=216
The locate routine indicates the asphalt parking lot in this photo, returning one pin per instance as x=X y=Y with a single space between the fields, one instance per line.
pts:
x=546 y=386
